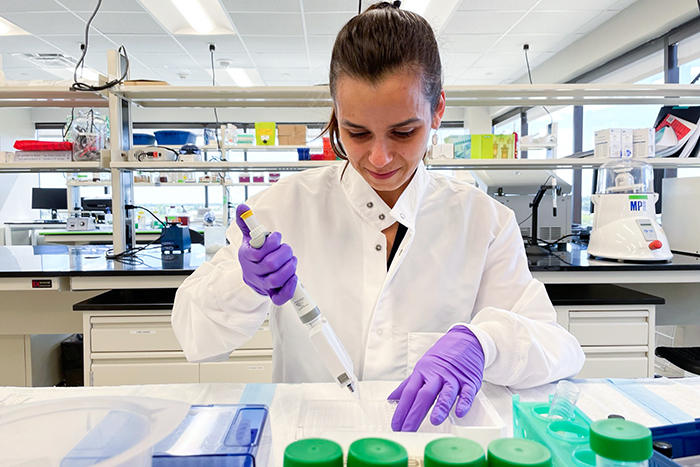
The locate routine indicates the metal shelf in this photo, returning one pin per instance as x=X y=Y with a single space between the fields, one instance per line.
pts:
x=49 y=96
x=457 y=96
x=51 y=167
x=221 y=166
x=253 y=148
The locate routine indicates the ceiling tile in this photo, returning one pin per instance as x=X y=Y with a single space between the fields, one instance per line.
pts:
x=8 y=6
x=8 y=61
x=504 y=60
x=451 y=74
x=459 y=60
x=274 y=74
x=326 y=23
x=496 y=5
x=280 y=45
x=481 y=22
x=157 y=60
x=552 y=22
x=319 y=76
x=144 y=73
x=137 y=43
x=273 y=24
x=512 y=43
x=225 y=44
x=237 y=60
x=466 y=43
x=125 y=23
x=30 y=73
x=25 y=44
x=40 y=22
x=264 y=6
x=107 y=5
x=321 y=45
x=621 y=4
x=320 y=61
x=281 y=61
x=71 y=44
x=334 y=5
x=575 y=5
x=491 y=73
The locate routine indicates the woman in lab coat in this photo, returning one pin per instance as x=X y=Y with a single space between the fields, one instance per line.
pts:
x=423 y=277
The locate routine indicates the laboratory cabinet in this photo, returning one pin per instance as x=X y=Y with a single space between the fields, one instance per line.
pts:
x=140 y=347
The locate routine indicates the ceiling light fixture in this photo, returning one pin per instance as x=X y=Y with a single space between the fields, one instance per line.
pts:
x=195 y=15
x=7 y=28
x=245 y=77
x=205 y=17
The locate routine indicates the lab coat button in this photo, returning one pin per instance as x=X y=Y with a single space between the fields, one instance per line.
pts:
x=378 y=248
x=403 y=216
x=370 y=204
x=381 y=217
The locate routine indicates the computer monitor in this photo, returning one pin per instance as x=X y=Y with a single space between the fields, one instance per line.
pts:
x=50 y=198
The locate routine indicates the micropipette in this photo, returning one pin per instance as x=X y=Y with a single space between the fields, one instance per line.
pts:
x=327 y=344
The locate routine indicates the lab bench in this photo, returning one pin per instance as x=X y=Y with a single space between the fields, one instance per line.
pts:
x=39 y=286
x=651 y=402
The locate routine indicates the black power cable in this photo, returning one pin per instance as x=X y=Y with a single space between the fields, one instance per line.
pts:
x=212 y=48
x=80 y=86
x=526 y=47
x=131 y=252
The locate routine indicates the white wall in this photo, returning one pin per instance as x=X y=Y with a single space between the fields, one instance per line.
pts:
x=15 y=189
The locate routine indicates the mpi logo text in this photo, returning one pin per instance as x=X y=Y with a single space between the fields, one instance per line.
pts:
x=638 y=205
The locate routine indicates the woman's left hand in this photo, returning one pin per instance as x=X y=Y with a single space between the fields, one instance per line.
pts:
x=453 y=367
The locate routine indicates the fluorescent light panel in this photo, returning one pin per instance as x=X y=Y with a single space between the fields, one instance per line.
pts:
x=245 y=77
x=7 y=28
x=190 y=16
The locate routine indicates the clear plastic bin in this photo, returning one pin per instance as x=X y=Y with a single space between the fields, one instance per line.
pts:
x=87 y=431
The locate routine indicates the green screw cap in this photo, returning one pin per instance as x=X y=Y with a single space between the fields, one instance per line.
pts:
x=374 y=452
x=454 y=452
x=313 y=452
x=621 y=440
x=512 y=452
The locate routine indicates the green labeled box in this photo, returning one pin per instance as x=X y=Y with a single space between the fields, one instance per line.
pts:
x=482 y=146
x=265 y=133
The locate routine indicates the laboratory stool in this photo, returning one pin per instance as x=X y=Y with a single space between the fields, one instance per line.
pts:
x=687 y=358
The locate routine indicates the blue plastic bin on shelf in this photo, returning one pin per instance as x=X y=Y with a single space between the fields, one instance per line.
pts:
x=144 y=139
x=684 y=437
x=180 y=137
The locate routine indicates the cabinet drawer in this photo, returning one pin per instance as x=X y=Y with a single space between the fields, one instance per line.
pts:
x=261 y=340
x=610 y=362
x=609 y=328
x=132 y=334
x=116 y=372
x=242 y=367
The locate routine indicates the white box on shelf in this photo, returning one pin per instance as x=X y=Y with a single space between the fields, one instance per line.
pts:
x=643 y=143
x=42 y=156
x=608 y=143
x=626 y=142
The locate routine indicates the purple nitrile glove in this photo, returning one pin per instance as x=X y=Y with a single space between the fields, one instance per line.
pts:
x=269 y=270
x=453 y=367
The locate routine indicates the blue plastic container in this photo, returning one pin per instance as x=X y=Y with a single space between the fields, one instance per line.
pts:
x=684 y=437
x=177 y=137
x=218 y=436
x=144 y=139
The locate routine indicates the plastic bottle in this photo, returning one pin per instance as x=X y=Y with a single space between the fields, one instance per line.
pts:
x=313 y=452
x=108 y=216
x=454 y=452
x=518 y=452
x=620 y=443
x=370 y=452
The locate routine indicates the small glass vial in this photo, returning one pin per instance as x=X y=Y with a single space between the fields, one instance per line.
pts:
x=620 y=443
x=564 y=401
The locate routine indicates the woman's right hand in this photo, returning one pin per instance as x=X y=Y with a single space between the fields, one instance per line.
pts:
x=269 y=270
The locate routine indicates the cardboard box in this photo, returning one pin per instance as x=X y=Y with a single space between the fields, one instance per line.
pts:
x=644 y=142
x=291 y=135
x=265 y=133
x=504 y=146
x=608 y=143
x=482 y=147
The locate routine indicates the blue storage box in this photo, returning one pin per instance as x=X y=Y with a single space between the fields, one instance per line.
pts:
x=218 y=436
x=178 y=137
x=144 y=139
x=684 y=437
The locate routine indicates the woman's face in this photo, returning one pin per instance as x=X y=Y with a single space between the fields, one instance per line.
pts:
x=384 y=129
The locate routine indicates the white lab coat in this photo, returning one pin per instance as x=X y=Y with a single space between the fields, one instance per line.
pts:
x=462 y=261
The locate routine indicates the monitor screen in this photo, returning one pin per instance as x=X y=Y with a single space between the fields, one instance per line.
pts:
x=49 y=198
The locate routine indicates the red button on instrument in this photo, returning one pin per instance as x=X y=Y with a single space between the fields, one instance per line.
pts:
x=655 y=245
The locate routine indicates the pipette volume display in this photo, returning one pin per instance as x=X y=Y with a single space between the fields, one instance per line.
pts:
x=328 y=346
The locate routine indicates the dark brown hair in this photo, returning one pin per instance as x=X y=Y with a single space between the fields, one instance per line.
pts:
x=378 y=42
